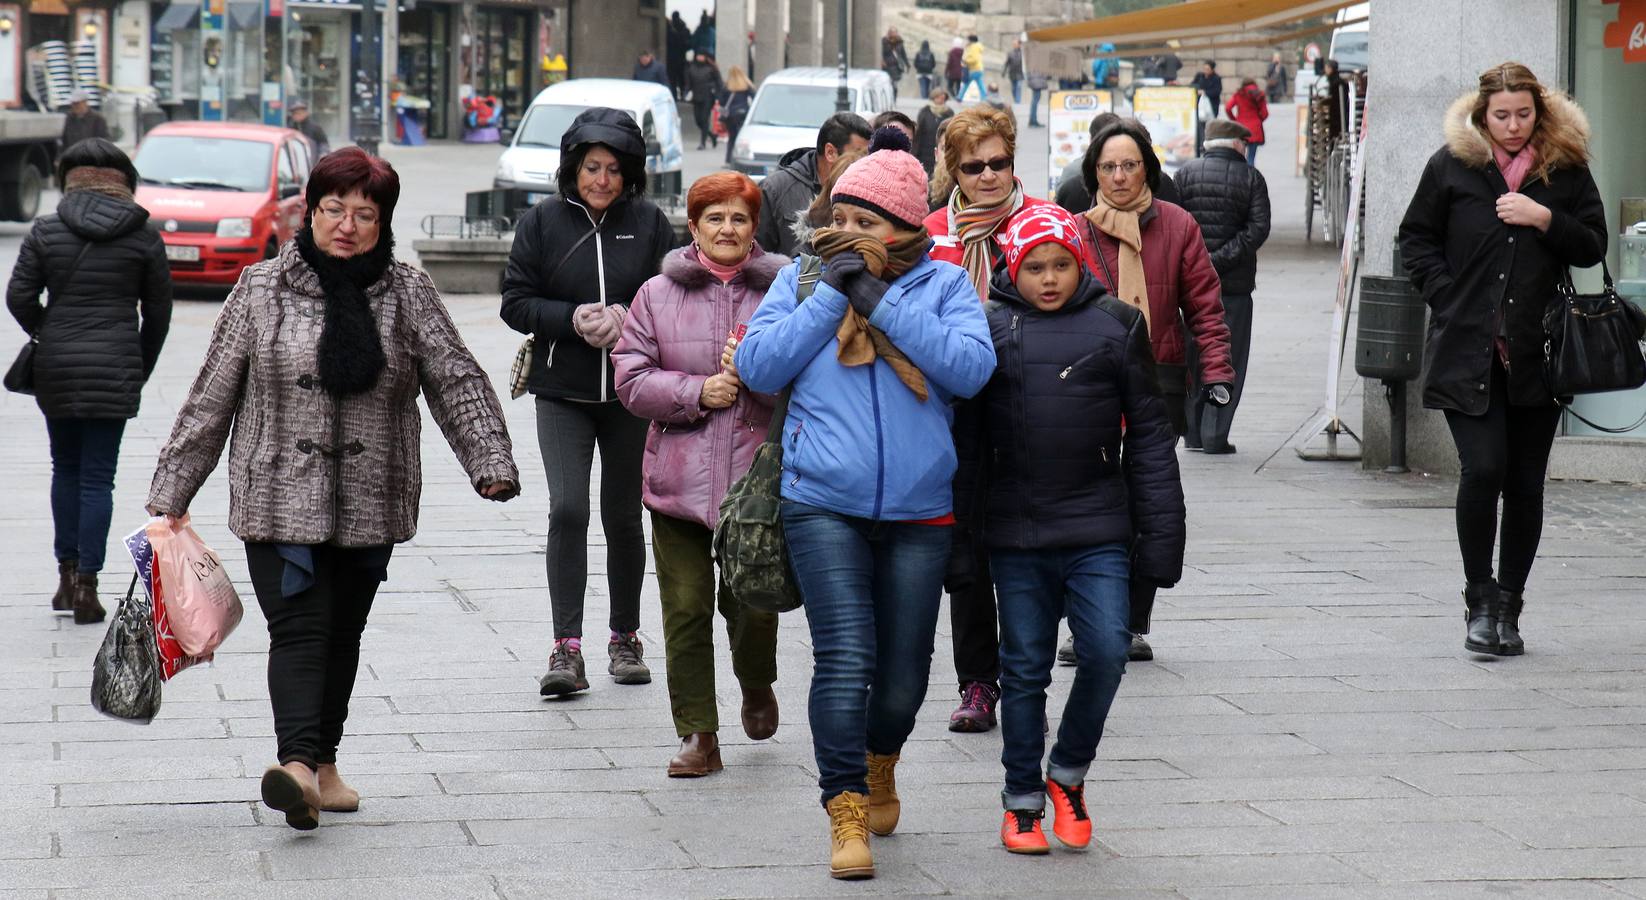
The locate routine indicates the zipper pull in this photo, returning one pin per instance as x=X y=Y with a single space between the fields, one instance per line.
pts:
x=1014 y=321
x=1064 y=375
x=1103 y=452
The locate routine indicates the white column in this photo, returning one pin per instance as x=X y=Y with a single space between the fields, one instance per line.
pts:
x=803 y=46
x=831 y=33
x=865 y=52
x=731 y=34
x=768 y=37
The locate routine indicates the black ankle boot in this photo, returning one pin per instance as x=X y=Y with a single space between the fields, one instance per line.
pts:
x=1482 y=600
x=63 y=600
x=1508 y=623
x=87 y=611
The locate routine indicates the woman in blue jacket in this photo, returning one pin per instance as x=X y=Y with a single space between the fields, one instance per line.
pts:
x=873 y=359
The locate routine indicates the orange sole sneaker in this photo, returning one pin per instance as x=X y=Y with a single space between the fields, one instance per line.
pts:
x=1020 y=832
x=1070 y=822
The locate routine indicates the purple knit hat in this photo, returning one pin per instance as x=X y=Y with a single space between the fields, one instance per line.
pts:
x=889 y=182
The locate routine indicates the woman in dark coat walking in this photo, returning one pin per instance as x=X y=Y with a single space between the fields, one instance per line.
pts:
x=109 y=306
x=1500 y=213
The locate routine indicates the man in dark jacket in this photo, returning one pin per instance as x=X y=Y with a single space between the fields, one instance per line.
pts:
x=298 y=116
x=703 y=79
x=1071 y=191
x=82 y=121
x=1230 y=200
x=678 y=41
x=795 y=184
x=1211 y=84
x=649 y=68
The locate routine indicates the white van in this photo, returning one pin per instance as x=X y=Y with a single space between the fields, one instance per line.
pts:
x=532 y=158
x=793 y=103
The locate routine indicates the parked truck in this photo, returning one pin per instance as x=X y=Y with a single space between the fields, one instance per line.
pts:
x=28 y=148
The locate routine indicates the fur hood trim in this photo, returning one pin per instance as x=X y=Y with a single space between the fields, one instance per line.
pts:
x=682 y=268
x=1473 y=148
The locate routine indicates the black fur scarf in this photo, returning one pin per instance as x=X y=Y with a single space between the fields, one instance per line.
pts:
x=350 y=351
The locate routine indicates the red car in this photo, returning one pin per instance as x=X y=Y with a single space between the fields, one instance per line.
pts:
x=223 y=195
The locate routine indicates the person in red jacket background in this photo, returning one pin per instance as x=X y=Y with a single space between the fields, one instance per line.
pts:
x=1249 y=107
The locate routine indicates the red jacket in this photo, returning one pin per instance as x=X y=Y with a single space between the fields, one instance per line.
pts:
x=1249 y=107
x=1183 y=287
x=947 y=248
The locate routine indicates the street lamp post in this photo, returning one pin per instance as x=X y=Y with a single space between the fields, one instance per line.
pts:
x=842 y=100
x=367 y=117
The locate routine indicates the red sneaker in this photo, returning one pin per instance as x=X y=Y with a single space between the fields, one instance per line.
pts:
x=1069 y=820
x=1020 y=832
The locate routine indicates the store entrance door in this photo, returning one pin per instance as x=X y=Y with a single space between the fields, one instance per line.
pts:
x=319 y=45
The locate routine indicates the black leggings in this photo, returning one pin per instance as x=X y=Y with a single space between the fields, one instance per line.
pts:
x=1502 y=453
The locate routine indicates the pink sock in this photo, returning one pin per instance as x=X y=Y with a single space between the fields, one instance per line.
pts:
x=574 y=644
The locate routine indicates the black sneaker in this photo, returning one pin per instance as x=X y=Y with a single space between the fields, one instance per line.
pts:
x=1066 y=654
x=1140 y=650
x=628 y=665
x=565 y=675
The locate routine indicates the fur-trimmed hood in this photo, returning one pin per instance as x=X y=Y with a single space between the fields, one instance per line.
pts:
x=1473 y=148
x=682 y=267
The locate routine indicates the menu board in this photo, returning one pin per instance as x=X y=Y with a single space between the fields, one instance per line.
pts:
x=1169 y=114
x=1070 y=127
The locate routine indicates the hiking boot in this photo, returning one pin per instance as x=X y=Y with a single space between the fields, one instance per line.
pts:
x=1508 y=622
x=63 y=600
x=1070 y=822
x=335 y=794
x=1139 y=651
x=849 y=855
x=87 y=611
x=1481 y=601
x=1020 y=832
x=975 y=714
x=627 y=665
x=884 y=807
x=1066 y=654
x=565 y=675
x=292 y=789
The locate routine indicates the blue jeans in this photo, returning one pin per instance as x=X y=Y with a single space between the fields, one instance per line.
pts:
x=871 y=591
x=925 y=86
x=971 y=79
x=1034 y=106
x=1251 y=154
x=1017 y=91
x=84 y=453
x=1033 y=586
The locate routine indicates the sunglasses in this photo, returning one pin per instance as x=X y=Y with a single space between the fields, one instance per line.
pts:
x=976 y=166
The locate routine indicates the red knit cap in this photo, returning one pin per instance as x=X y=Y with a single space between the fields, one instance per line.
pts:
x=889 y=182
x=1035 y=225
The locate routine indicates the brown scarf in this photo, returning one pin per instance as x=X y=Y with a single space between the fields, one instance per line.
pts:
x=98 y=180
x=1124 y=224
x=860 y=342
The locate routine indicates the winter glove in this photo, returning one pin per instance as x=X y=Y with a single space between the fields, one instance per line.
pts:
x=864 y=293
x=1218 y=394
x=597 y=327
x=840 y=271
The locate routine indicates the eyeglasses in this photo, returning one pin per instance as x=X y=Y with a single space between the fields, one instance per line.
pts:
x=976 y=166
x=364 y=218
x=1129 y=166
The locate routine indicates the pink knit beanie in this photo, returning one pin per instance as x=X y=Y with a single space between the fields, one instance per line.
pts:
x=889 y=182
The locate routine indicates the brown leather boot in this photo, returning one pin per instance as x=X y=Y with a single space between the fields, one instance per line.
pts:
x=87 y=611
x=63 y=600
x=759 y=712
x=884 y=807
x=293 y=790
x=335 y=795
x=849 y=855
x=699 y=755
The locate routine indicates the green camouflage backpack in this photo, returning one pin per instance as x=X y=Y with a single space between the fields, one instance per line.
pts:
x=748 y=539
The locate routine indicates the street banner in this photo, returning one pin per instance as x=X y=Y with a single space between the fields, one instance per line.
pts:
x=1170 y=114
x=1070 y=125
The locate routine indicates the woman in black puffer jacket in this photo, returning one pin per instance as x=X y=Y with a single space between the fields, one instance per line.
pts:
x=109 y=306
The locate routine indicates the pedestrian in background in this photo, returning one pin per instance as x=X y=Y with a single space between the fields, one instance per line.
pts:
x=925 y=63
x=1500 y=213
x=786 y=193
x=1229 y=198
x=973 y=58
x=1037 y=86
x=1250 y=108
x=1105 y=68
x=735 y=101
x=82 y=121
x=315 y=365
x=578 y=259
x=704 y=431
x=979 y=155
x=299 y=120
x=954 y=71
x=996 y=99
x=704 y=78
x=1211 y=84
x=677 y=43
x=1079 y=508
x=894 y=58
x=1276 y=77
x=704 y=37
x=895 y=119
x=649 y=68
x=927 y=124
x=821 y=213
x=1013 y=70
x=867 y=522
x=1338 y=107
x=107 y=311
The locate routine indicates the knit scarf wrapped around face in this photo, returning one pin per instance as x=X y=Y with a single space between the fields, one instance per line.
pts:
x=1124 y=224
x=98 y=180
x=860 y=342
x=975 y=227
x=351 y=351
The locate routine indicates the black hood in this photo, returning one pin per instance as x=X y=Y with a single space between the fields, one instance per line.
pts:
x=99 y=217
x=802 y=161
x=1002 y=289
x=604 y=125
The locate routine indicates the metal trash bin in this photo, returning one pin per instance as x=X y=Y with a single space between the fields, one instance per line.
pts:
x=1389 y=334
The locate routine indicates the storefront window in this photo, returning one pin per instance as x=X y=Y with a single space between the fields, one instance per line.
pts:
x=503 y=58
x=318 y=44
x=424 y=63
x=1613 y=91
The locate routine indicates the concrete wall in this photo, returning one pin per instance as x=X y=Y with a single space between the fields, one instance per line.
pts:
x=1424 y=54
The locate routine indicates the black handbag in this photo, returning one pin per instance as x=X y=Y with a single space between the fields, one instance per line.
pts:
x=125 y=676
x=20 y=377
x=1593 y=343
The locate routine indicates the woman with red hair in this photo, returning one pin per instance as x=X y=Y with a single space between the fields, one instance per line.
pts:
x=705 y=428
x=315 y=366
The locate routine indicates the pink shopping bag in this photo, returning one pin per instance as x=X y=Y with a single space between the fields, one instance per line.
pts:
x=189 y=579
x=172 y=657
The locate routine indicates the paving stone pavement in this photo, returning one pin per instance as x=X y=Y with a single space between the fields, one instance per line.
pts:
x=1311 y=726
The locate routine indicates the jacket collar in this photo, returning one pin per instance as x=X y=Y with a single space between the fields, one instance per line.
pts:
x=1003 y=290
x=682 y=267
x=1470 y=145
x=1225 y=153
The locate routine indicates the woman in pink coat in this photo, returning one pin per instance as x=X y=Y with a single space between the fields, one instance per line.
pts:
x=705 y=428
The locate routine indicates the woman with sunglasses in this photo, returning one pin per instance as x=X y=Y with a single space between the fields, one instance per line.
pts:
x=978 y=149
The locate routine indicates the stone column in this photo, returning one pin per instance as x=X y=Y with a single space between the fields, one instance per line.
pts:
x=831 y=33
x=803 y=47
x=768 y=37
x=731 y=34
x=866 y=31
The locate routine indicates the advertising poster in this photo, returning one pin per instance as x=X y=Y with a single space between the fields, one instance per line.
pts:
x=1070 y=124
x=1169 y=114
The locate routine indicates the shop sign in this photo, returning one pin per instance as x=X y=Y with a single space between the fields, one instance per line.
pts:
x=1071 y=118
x=1628 y=33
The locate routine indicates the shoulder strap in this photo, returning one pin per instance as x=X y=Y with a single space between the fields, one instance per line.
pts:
x=1102 y=261
x=811 y=270
x=549 y=276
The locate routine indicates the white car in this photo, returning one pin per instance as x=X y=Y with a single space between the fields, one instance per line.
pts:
x=793 y=103
x=532 y=158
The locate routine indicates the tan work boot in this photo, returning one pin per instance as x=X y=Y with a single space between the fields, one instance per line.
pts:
x=884 y=807
x=292 y=789
x=849 y=855
x=335 y=795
